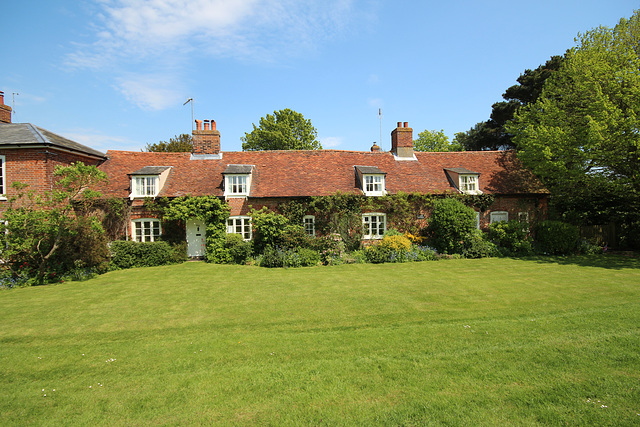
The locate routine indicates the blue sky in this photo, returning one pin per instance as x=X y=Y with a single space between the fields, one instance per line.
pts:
x=114 y=74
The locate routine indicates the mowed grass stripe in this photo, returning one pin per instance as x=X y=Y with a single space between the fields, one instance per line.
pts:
x=516 y=342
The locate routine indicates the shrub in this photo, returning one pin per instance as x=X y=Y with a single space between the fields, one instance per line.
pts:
x=477 y=246
x=396 y=242
x=129 y=254
x=421 y=253
x=236 y=249
x=512 y=237
x=556 y=237
x=377 y=254
x=308 y=257
x=449 y=223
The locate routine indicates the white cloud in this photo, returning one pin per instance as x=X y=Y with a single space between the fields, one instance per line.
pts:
x=331 y=141
x=151 y=35
x=151 y=92
x=95 y=139
x=245 y=29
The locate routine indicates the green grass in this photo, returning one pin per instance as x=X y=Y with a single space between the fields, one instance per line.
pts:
x=458 y=342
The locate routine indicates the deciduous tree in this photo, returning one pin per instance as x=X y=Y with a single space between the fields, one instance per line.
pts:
x=282 y=130
x=179 y=143
x=582 y=136
x=432 y=140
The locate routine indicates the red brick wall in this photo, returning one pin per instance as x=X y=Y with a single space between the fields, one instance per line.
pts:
x=34 y=167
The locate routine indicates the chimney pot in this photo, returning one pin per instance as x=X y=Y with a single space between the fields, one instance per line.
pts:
x=206 y=125
x=213 y=124
x=406 y=124
x=198 y=124
x=399 y=124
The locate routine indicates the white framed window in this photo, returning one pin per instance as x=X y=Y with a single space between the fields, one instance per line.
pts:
x=478 y=220
x=523 y=217
x=309 y=222
x=3 y=182
x=240 y=225
x=468 y=184
x=499 y=216
x=146 y=230
x=145 y=186
x=374 y=225
x=236 y=185
x=374 y=185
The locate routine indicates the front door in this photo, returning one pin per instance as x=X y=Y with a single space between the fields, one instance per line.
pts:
x=196 y=238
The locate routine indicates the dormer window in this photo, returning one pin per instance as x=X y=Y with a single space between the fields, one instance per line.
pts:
x=464 y=180
x=148 y=181
x=237 y=180
x=145 y=186
x=468 y=183
x=372 y=180
x=237 y=185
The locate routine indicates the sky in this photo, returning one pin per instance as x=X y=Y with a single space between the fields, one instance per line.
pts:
x=115 y=74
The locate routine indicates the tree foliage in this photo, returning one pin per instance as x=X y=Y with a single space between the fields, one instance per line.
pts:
x=432 y=140
x=449 y=224
x=581 y=137
x=282 y=130
x=492 y=134
x=179 y=143
x=57 y=231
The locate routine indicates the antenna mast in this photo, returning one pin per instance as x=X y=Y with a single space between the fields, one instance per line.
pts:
x=190 y=100
x=380 y=117
x=13 y=106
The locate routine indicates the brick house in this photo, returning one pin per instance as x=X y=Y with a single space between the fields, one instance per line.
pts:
x=29 y=154
x=268 y=178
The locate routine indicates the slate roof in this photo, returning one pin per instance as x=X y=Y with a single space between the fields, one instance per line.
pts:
x=21 y=135
x=150 y=170
x=321 y=172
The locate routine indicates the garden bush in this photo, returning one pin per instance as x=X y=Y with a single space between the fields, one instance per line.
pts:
x=129 y=254
x=449 y=223
x=511 y=237
x=556 y=238
x=236 y=250
x=477 y=246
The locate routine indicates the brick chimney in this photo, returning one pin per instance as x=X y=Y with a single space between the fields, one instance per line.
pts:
x=402 y=141
x=5 y=110
x=207 y=140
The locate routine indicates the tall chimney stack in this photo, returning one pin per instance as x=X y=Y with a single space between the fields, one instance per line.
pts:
x=207 y=140
x=5 y=110
x=402 y=141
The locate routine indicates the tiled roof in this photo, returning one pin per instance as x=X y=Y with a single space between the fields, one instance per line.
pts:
x=321 y=172
x=17 y=135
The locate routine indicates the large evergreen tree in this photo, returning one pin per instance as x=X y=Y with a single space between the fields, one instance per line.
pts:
x=491 y=134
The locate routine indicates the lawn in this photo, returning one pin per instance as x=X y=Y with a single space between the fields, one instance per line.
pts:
x=454 y=342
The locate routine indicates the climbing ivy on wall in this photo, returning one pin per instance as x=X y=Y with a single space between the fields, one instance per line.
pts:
x=209 y=209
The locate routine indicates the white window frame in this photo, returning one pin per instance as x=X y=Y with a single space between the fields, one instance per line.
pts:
x=145 y=186
x=150 y=230
x=523 y=217
x=373 y=184
x=3 y=179
x=240 y=225
x=237 y=184
x=309 y=224
x=496 y=216
x=478 y=220
x=374 y=225
x=469 y=183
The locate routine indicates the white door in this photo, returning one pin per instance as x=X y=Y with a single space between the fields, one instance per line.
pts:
x=196 y=246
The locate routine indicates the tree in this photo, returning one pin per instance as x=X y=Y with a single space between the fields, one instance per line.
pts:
x=491 y=134
x=179 y=143
x=581 y=137
x=435 y=141
x=55 y=232
x=284 y=130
